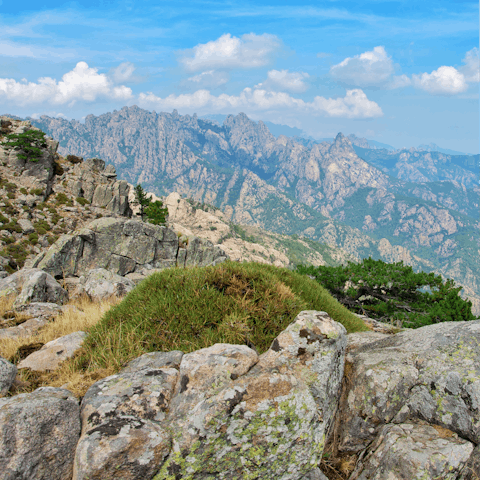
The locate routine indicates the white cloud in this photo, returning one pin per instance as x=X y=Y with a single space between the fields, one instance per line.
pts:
x=285 y=80
x=227 y=52
x=443 y=81
x=209 y=79
x=471 y=69
x=354 y=105
x=123 y=73
x=369 y=69
x=82 y=83
x=12 y=50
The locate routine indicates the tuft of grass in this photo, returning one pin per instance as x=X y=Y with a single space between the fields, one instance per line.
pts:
x=190 y=309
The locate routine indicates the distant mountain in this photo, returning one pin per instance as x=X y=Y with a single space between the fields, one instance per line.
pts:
x=333 y=193
x=435 y=148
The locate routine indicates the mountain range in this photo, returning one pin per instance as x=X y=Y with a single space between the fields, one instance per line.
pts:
x=418 y=206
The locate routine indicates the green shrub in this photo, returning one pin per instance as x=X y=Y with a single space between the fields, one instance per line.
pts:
x=52 y=239
x=36 y=191
x=29 y=143
x=156 y=213
x=23 y=191
x=12 y=226
x=62 y=199
x=18 y=252
x=10 y=187
x=213 y=228
x=42 y=227
x=189 y=309
x=82 y=201
x=393 y=292
x=33 y=238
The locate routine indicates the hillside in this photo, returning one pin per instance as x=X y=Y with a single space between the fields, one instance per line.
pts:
x=325 y=192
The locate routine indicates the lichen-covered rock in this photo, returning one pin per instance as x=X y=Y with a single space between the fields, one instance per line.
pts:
x=230 y=420
x=8 y=372
x=50 y=356
x=121 y=246
x=471 y=469
x=122 y=436
x=429 y=374
x=38 y=435
x=101 y=284
x=416 y=452
x=40 y=286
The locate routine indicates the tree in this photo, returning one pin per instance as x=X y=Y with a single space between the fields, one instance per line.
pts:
x=141 y=199
x=393 y=292
x=155 y=212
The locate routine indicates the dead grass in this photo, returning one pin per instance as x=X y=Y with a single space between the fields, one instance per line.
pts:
x=80 y=315
x=6 y=304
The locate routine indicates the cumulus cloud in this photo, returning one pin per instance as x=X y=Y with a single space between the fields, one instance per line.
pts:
x=471 y=69
x=354 y=105
x=369 y=69
x=443 y=81
x=285 y=80
x=227 y=52
x=82 y=83
x=209 y=79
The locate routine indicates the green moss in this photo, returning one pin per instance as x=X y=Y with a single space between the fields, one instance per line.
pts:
x=82 y=201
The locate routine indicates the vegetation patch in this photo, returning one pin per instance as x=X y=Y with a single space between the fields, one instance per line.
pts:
x=189 y=309
x=393 y=293
x=29 y=143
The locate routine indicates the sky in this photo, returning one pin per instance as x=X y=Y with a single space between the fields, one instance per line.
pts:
x=400 y=72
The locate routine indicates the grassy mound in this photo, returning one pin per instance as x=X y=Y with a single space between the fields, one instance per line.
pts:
x=189 y=309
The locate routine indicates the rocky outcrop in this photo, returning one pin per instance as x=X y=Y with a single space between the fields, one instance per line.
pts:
x=100 y=284
x=124 y=246
x=8 y=371
x=267 y=415
x=402 y=405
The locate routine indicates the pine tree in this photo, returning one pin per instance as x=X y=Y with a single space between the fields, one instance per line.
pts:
x=141 y=199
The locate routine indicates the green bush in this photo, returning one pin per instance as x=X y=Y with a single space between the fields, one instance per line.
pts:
x=36 y=191
x=42 y=227
x=30 y=143
x=33 y=238
x=23 y=191
x=189 y=309
x=62 y=199
x=393 y=292
x=12 y=226
x=156 y=213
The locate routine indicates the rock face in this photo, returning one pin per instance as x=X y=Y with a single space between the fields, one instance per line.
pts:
x=101 y=283
x=123 y=246
x=267 y=415
x=8 y=371
x=38 y=435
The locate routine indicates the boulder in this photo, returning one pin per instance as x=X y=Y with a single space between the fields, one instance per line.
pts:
x=235 y=416
x=429 y=374
x=40 y=286
x=122 y=436
x=122 y=246
x=26 y=225
x=38 y=435
x=53 y=353
x=32 y=285
x=8 y=372
x=101 y=284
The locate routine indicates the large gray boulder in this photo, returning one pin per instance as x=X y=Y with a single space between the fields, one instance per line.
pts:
x=38 y=435
x=8 y=372
x=122 y=246
x=32 y=285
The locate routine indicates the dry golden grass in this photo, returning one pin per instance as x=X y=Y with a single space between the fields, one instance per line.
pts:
x=6 y=304
x=80 y=316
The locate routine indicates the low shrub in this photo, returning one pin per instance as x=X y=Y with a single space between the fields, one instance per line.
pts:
x=74 y=159
x=36 y=191
x=82 y=201
x=23 y=191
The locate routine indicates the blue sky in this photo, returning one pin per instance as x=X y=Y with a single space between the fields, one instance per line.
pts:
x=400 y=72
